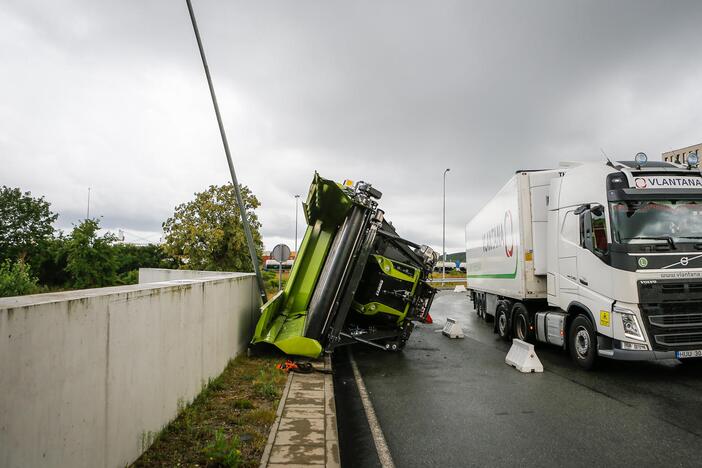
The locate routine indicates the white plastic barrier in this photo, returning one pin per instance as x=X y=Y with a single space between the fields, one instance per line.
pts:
x=522 y=357
x=452 y=329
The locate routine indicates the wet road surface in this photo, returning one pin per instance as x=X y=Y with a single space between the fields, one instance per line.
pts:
x=445 y=402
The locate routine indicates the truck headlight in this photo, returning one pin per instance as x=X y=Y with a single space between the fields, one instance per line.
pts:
x=630 y=323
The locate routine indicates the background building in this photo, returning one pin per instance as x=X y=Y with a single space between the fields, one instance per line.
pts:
x=679 y=156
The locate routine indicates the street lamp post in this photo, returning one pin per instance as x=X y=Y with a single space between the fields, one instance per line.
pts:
x=87 y=215
x=443 y=242
x=297 y=199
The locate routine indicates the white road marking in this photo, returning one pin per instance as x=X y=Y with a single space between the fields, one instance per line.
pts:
x=378 y=438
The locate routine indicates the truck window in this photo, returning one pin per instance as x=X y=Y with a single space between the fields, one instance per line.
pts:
x=599 y=232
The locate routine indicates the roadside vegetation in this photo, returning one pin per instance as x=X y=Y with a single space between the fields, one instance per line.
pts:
x=457 y=275
x=270 y=280
x=227 y=425
x=35 y=257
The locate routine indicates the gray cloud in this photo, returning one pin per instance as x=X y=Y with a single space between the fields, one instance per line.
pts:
x=111 y=95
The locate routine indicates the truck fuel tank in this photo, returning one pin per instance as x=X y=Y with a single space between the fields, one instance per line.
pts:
x=550 y=327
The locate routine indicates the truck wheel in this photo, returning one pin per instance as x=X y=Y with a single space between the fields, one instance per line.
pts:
x=501 y=321
x=521 y=324
x=582 y=342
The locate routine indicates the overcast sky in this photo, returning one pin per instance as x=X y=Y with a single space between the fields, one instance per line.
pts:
x=111 y=95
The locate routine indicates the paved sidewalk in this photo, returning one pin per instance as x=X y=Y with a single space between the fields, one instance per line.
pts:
x=304 y=432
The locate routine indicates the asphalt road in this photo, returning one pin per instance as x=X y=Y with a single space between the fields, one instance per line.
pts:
x=448 y=402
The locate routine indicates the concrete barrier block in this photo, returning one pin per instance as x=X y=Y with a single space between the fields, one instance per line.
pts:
x=452 y=329
x=522 y=357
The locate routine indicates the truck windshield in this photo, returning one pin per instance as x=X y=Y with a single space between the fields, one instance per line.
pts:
x=660 y=221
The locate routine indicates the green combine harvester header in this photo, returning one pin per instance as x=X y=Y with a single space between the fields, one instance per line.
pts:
x=354 y=279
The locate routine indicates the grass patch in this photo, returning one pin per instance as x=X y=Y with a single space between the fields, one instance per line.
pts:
x=227 y=424
x=449 y=274
x=243 y=404
x=266 y=384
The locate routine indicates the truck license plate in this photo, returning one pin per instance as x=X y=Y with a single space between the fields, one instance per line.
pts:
x=696 y=353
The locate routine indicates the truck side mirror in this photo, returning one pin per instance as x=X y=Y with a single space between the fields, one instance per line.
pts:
x=586 y=229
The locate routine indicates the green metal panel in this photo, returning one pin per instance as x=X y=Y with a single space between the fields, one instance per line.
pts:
x=388 y=268
x=282 y=321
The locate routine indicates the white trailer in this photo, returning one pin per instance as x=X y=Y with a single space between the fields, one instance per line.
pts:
x=444 y=266
x=604 y=259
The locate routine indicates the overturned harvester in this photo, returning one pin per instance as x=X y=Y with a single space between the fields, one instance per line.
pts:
x=354 y=279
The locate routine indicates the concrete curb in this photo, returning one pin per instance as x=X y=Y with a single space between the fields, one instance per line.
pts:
x=304 y=432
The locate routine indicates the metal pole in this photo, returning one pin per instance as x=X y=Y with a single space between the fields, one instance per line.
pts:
x=280 y=274
x=297 y=199
x=443 y=241
x=225 y=143
x=87 y=215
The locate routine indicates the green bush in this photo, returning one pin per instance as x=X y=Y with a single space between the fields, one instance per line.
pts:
x=222 y=451
x=16 y=279
x=130 y=277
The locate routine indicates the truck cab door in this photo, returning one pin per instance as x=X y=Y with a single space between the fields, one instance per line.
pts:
x=594 y=273
x=568 y=247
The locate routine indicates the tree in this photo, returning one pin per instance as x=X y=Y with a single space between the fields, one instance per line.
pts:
x=132 y=257
x=25 y=223
x=90 y=259
x=16 y=279
x=49 y=263
x=207 y=234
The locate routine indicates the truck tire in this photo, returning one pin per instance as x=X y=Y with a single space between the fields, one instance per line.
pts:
x=582 y=342
x=522 y=328
x=502 y=321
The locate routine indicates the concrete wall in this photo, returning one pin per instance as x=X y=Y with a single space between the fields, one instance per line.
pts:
x=87 y=378
x=155 y=275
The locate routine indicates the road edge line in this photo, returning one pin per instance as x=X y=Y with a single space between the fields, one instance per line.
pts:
x=381 y=446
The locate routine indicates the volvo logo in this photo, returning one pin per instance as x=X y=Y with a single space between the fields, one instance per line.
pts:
x=684 y=261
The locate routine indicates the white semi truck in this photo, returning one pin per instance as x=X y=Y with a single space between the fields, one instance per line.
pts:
x=603 y=259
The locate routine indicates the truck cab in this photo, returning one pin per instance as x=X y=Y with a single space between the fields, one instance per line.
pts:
x=626 y=240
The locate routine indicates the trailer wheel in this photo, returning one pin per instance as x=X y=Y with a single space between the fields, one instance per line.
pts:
x=522 y=328
x=582 y=342
x=502 y=321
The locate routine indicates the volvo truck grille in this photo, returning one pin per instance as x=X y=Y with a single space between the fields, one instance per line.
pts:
x=672 y=313
x=676 y=320
x=680 y=339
